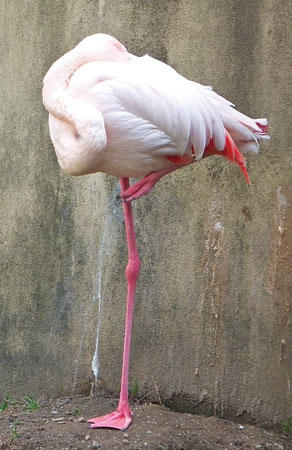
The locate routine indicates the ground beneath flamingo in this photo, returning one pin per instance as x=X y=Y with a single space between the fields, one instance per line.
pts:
x=61 y=424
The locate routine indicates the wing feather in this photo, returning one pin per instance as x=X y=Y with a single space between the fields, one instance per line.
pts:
x=151 y=112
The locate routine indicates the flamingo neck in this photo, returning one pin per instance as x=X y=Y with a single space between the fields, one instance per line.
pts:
x=55 y=89
x=76 y=127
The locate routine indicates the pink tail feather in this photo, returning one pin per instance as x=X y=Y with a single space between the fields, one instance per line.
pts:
x=263 y=125
x=230 y=152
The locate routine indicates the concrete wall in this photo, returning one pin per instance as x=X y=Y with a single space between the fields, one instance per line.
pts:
x=213 y=313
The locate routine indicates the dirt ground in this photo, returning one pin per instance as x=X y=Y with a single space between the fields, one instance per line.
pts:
x=61 y=424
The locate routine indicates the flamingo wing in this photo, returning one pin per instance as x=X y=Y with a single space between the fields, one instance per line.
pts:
x=155 y=118
x=151 y=113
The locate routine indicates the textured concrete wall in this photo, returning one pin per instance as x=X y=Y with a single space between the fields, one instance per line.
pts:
x=213 y=313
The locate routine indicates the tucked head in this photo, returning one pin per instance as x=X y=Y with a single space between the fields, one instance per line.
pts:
x=98 y=47
x=102 y=47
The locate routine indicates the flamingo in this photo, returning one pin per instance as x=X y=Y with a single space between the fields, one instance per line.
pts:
x=128 y=116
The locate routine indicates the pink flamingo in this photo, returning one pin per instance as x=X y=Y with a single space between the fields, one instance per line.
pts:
x=128 y=116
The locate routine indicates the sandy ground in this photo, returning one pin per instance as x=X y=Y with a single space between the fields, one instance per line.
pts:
x=61 y=424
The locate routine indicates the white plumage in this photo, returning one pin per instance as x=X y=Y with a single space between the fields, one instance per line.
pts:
x=138 y=113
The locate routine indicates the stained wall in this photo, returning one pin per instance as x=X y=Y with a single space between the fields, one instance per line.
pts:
x=212 y=329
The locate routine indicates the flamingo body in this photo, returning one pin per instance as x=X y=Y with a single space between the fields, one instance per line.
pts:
x=128 y=116
x=141 y=114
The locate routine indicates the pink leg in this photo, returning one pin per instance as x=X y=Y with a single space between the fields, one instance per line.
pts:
x=145 y=185
x=121 y=419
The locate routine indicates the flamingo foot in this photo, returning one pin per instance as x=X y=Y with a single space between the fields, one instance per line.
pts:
x=141 y=187
x=120 y=419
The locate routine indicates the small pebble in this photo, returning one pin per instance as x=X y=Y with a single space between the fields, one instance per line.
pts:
x=82 y=419
x=281 y=230
x=95 y=444
x=58 y=419
x=87 y=437
x=126 y=435
x=125 y=442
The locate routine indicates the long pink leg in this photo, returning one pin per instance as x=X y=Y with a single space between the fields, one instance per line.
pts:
x=122 y=417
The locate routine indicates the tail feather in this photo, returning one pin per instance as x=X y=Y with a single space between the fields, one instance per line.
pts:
x=242 y=133
x=263 y=125
x=230 y=152
x=246 y=138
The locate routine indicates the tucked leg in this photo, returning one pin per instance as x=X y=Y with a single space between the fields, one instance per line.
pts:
x=143 y=186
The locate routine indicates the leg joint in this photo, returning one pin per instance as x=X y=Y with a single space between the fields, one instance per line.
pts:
x=133 y=267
